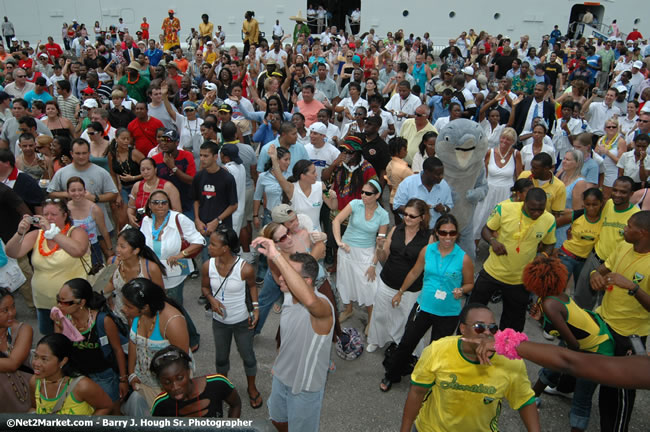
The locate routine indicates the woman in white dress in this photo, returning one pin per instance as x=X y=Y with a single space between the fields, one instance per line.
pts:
x=503 y=165
x=366 y=229
x=611 y=147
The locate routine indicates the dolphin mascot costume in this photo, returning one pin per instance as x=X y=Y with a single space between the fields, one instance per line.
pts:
x=461 y=146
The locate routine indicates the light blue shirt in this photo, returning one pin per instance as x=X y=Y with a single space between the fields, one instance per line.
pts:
x=412 y=187
x=268 y=184
x=32 y=96
x=297 y=151
x=362 y=233
x=439 y=109
x=590 y=171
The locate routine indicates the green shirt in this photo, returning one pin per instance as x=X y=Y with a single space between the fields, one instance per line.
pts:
x=524 y=85
x=137 y=90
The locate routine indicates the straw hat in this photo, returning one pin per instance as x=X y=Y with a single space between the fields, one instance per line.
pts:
x=298 y=17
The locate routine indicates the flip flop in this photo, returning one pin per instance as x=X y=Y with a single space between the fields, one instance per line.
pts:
x=385 y=385
x=253 y=399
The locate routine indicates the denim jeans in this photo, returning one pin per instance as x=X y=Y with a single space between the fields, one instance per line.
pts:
x=176 y=294
x=268 y=295
x=572 y=265
x=223 y=335
x=582 y=396
x=109 y=381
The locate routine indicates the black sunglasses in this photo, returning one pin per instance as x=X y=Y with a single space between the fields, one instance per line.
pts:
x=366 y=193
x=409 y=215
x=480 y=327
x=283 y=238
x=442 y=233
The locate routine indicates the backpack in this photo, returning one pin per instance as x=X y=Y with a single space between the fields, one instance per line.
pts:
x=104 y=343
x=349 y=346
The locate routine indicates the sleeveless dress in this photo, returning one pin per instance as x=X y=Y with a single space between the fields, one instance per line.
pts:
x=420 y=76
x=500 y=180
x=35 y=171
x=611 y=170
x=561 y=232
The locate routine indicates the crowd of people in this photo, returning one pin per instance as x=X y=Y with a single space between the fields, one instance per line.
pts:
x=302 y=175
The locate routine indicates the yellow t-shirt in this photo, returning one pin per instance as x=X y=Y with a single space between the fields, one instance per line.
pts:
x=620 y=311
x=521 y=236
x=555 y=191
x=413 y=136
x=70 y=406
x=584 y=235
x=611 y=234
x=206 y=29
x=464 y=395
x=209 y=57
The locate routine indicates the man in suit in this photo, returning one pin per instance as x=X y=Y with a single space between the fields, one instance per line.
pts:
x=130 y=49
x=531 y=107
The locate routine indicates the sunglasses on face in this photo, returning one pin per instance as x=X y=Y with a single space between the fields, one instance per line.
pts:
x=611 y=127
x=442 y=233
x=65 y=302
x=409 y=215
x=159 y=202
x=189 y=110
x=480 y=328
x=92 y=133
x=366 y=193
x=282 y=238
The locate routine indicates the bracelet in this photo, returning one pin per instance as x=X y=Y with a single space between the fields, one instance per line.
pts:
x=184 y=253
x=275 y=257
x=592 y=272
x=256 y=307
x=256 y=304
x=506 y=343
x=132 y=377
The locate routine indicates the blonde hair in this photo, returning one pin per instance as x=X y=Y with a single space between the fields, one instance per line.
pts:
x=510 y=133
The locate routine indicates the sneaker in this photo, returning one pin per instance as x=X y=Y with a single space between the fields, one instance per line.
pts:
x=202 y=300
x=548 y=336
x=372 y=348
x=538 y=402
x=555 y=392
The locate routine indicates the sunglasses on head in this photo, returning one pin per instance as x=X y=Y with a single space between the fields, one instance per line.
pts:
x=169 y=356
x=443 y=233
x=367 y=193
x=65 y=302
x=159 y=202
x=282 y=238
x=480 y=327
x=53 y=200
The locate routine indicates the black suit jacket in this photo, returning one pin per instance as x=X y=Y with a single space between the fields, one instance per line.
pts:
x=127 y=55
x=522 y=112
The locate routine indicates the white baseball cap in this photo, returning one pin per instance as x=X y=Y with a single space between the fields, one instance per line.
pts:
x=638 y=64
x=319 y=128
x=209 y=86
x=621 y=88
x=468 y=70
x=90 y=103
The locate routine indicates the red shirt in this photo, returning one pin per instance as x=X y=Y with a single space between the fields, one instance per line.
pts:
x=634 y=35
x=145 y=31
x=54 y=50
x=144 y=133
x=176 y=78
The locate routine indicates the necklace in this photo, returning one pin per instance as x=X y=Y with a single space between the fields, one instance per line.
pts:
x=155 y=232
x=503 y=158
x=41 y=239
x=58 y=389
x=128 y=79
x=89 y=322
x=608 y=144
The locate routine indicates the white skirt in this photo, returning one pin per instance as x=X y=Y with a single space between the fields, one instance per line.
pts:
x=387 y=323
x=351 y=280
x=495 y=195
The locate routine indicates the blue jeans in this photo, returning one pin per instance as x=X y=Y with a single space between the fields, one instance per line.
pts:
x=572 y=265
x=176 y=294
x=301 y=411
x=268 y=295
x=262 y=265
x=582 y=395
x=45 y=323
x=223 y=335
x=108 y=381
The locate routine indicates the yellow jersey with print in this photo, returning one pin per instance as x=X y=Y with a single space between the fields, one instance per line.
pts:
x=521 y=235
x=554 y=188
x=611 y=233
x=622 y=312
x=465 y=395
x=584 y=234
x=71 y=406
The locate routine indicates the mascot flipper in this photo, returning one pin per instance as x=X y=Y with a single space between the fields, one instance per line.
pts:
x=461 y=146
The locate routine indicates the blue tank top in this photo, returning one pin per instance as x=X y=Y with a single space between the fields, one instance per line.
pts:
x=441 y=277
x=89 y=225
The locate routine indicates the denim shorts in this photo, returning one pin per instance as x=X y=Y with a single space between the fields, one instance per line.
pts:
x=301 y=411
x=108 y=381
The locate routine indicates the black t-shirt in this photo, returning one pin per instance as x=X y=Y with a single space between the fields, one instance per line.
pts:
x=553 y=70
x=208 y=404
x=215 y=192
x=28 y=190
x=376 y=152
x=504 y=63
x=10 y=214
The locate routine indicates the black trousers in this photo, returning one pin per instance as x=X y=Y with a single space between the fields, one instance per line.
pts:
x=416 y=326
x=616 y=404
x=515 y=300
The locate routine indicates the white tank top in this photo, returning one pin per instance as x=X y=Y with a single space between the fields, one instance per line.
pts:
x=232 y=293
x=309 y=205
x=501 y=176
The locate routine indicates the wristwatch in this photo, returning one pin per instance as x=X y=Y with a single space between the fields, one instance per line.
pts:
x=174 y=170
x=633 y=291
x=96 y=198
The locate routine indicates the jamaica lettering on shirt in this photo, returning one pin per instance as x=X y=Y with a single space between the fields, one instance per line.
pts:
x=611 y=234
x=465 y=395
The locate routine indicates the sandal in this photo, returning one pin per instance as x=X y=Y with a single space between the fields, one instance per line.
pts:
x=195 y=348
x=385 y=385
x=253 y=399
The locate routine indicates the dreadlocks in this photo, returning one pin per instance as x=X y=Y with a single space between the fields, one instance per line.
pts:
x=545 y=276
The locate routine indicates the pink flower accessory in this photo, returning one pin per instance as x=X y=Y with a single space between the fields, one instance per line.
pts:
x=506 y=343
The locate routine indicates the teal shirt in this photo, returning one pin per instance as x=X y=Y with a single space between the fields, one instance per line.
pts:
x=441 y=277
x=360 y=232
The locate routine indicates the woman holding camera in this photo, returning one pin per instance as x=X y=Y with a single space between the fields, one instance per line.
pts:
x=142 y=189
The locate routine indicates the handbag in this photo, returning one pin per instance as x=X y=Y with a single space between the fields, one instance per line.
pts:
x=184 y=243
x=10 y=274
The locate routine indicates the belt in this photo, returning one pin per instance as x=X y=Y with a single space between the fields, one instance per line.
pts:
x=601 y=261
x=572 y=255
